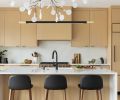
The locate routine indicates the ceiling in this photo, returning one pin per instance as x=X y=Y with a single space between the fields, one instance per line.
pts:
x=90 y=3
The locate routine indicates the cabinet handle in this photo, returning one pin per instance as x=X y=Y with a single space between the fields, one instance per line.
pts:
x=114 y=54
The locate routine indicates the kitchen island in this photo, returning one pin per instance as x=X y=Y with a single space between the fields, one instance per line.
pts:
x=38 y=75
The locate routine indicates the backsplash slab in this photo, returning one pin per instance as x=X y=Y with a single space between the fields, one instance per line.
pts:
x=45 y=48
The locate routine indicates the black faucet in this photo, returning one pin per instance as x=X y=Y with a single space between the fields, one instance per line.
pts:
x=56 y=63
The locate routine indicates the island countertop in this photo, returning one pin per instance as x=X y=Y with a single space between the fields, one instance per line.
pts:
x=109 y=77
x=51 y=71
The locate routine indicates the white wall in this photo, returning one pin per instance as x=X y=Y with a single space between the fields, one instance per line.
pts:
x=65 y=52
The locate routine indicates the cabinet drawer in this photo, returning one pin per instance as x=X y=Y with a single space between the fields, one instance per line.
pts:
x=116 y=28
x=118 y=83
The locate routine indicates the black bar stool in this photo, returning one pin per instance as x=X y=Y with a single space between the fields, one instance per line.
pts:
x=19 y=82
x=91 y=82
x=55 y=82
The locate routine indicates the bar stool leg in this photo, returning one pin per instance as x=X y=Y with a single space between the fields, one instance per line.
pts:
x=97 y=93
x=47 y=91
x=30 y=94
x=101 y=94
x=11 y=94
x=65 y=94
x=82 y=93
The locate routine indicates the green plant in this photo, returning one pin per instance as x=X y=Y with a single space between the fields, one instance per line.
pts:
x=2 y=53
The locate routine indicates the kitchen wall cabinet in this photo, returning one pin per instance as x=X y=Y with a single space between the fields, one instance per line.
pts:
x=94 y=34
x=116 y=14
x=28 y=32
x=2 y=28
x=12 y=28
x=116 y=52
x=99 y=29
x=53 y=31
x=81 y=34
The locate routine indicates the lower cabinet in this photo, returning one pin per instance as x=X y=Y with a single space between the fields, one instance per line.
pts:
x=116 y=52
x=119 y=83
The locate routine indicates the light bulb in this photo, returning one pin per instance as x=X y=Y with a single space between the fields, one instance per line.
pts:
x=29 y=11
x=56 y=18
x=40 y=16
x=68 y=12
x=53 y=12
x=34 y=18
x=61 y=17
x=22 y=9
x=75 y=4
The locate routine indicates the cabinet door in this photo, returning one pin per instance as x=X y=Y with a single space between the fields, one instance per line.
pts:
x=116 y=52
x=53 y=31
x=12 y=28
x=80 y=36
x=1 y=29
x=28 y=32
x=116 y=15
x=99 y=29
x=116 y=28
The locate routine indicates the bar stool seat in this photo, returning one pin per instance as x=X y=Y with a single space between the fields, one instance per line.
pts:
x=55 y=82
x=91 y=82
x=19 y=82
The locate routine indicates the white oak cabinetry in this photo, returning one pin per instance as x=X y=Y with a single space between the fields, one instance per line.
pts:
x=94 y=34
x=116 y=42
x=2 y=28
x=12 y=28
x=81 y=35
x=116 y=39
x=28 y=32
x=54 y=31
x=99 y=29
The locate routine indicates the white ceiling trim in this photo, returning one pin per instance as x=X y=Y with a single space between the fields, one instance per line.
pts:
x=91 y=3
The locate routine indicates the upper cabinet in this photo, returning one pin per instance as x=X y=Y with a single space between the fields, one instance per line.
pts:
x=99 y=29
x=93 y=34
x=2 y=28
x=116 y=14
x=28 y=32
x=54 y=31
x=81 y=32
x=12 y=28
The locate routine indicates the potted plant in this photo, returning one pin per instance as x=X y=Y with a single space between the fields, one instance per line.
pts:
x=2 y=53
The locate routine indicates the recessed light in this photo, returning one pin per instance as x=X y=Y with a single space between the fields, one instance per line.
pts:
x=12 y=3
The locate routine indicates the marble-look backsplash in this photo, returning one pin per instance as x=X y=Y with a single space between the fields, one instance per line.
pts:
x=45 y=48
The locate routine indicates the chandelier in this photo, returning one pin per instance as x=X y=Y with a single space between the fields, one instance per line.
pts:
x=57 y=8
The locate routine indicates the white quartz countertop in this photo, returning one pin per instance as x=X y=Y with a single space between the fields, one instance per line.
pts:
x=52 y=71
